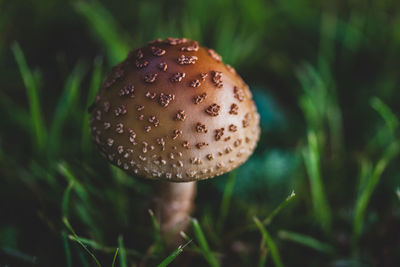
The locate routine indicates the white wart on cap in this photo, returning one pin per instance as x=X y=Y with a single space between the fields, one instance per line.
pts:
x=173 y=111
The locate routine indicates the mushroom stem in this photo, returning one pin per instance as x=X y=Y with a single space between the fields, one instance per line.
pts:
x=173 y=206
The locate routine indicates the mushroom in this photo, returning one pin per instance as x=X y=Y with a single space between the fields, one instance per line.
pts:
x=174 y=112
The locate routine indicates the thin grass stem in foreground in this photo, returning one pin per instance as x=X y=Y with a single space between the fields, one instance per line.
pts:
x=67 y=249
x=311 y=157
x=65 y=107
x=386 y=113
x=158 y=242
x=74 y=237
x=284 y=203
x=115 y=257
x=307 y=241
x=173 y=255
x=365 y=196
x=32 y=91
x=108 y=249
x=194 y=247
x=226 y=200
x=122 y=252
x=65 y=170
x=94 y=86
x=201 y=239
x=263 y=254
x=268 y=220
x=65 y=199
x=270 y=243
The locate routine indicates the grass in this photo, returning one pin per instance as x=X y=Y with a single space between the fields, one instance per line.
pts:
x=370 y=179
x=75 y=238
x=122 y=254
x=158 y=242
x=307 y=241
x=67 y=249
x=391 y=120
x=173 y=255
x=105 y=28
x=311 y=157
x=94 y=85
x=281 y=206
x=203 y=244
x=32 y=92
x=115 y=257
x=331 y=70
x=270 y=243
x=226 y=199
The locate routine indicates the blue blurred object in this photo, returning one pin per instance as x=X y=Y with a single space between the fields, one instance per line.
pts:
x=266 y=176
x=272 y=116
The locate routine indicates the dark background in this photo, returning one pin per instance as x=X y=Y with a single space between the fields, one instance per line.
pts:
x=324 y=75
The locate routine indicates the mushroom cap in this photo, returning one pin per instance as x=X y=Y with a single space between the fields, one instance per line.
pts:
x=174 y=111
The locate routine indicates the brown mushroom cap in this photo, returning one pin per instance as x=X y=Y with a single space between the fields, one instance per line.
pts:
x=173 y=111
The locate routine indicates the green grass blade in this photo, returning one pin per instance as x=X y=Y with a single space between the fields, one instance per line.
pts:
x=122 y=254
x=366 y=167
x=65 y=199
x=270 y=243
x=93 y=88
x=65 y=170
x=173 y=255
x=398 y=192
x=85 y=205
x=158 y=242
x=208 y=225
x=74 y=237
x=319 y=102
x=311 y=157
x=32 y=91
x=115 y=257
x=65 y=105
x=369 y=182
x=194 y=247
x=314 y=100
x=307 y=241
x=91 y=243
x=263 y=254
x=105 y=28
x=226 y=200
x=365 y=196
x=386 y=113
x=12 y=110
x=107 y=249
x=269 y=218
x=284 y=203
x=186 y=237
x=67 y=249
x=201 y=239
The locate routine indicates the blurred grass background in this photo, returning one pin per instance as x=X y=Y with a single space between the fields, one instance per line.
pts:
x=322 y=188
